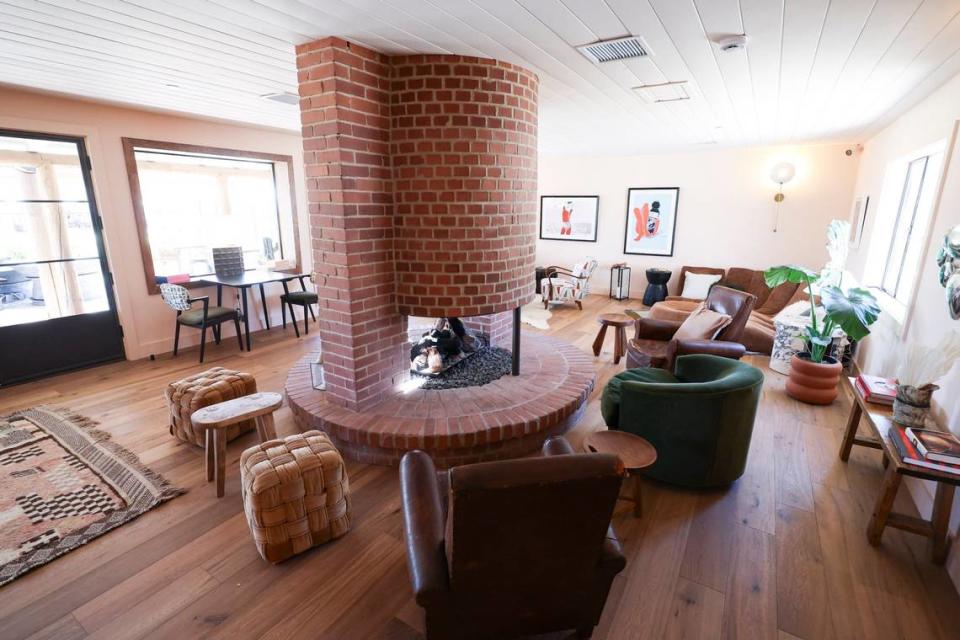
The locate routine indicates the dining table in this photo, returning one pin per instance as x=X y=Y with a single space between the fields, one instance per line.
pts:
x=243 y=282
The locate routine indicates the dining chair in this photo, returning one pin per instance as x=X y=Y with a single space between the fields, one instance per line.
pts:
x=178 y=299
x=303 y=298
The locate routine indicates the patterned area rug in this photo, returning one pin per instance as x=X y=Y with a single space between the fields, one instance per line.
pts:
x=62 y=484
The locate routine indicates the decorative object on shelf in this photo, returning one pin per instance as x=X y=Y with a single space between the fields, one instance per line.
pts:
x=228 y=261
x=918 y=370
x=814 y=374
x=569 y=218
x=651 y=223
x=782 y=173
x=858 y=218
x=620 y=281
x=948 y=260
x=657 y=280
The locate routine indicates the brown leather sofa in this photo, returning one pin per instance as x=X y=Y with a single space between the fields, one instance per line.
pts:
x=653 y=344
x=516 y=547
x=758 y=332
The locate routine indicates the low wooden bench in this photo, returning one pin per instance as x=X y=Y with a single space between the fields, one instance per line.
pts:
x=215 y=419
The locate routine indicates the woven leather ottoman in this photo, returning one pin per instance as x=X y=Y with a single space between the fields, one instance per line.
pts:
x=295 y=494
x=201 y=390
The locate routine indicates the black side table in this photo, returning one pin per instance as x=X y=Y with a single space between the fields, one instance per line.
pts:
x=657 y=280
x=539 y=274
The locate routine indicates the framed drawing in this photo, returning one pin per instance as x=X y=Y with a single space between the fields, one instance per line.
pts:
x=569 y=218
x=651 y=221
x=858 y=216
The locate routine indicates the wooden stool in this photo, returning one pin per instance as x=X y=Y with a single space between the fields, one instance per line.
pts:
x=621 y=322
x=635 y=452
x=216 y=418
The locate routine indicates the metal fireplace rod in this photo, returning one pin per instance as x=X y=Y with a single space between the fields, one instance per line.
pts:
x=516 y=341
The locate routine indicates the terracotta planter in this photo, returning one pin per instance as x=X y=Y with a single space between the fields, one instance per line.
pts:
x=811 y=382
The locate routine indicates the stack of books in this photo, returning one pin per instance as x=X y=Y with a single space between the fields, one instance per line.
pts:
x=937 y=450
x=876 y=389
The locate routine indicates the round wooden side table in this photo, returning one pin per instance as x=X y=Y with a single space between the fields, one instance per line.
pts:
x=621 y=322
x=635 y=452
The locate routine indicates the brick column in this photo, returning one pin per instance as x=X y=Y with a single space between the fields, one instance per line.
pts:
x=345 y=113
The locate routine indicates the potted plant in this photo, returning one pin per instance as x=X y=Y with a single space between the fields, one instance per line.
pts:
x=814 y=373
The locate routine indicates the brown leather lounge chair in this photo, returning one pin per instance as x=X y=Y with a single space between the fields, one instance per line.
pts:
x=515 y=547
x=653 y=344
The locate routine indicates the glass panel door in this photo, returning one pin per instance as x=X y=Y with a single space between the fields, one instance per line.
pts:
x=57 y=310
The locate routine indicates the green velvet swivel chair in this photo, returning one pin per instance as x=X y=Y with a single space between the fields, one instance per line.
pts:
x=699 y=418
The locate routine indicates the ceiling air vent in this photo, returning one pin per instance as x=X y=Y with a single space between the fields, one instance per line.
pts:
x=285 y=97
x=617 y=49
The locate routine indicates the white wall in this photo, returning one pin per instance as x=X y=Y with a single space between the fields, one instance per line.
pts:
x=932 y=120
x=147 y=322
x=726 y=209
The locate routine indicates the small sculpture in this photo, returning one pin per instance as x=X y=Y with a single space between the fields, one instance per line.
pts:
x=948 y=260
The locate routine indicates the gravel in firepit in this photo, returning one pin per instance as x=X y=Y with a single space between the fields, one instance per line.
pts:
x=483 y=367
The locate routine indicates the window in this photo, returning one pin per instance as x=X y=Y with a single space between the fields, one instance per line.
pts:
x=902 y=227
x=190 y=200
x=50 y=261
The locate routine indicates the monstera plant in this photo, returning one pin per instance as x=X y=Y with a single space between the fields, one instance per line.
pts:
x=813 y=373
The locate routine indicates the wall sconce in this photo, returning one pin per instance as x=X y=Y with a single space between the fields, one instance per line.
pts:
x=781 y=173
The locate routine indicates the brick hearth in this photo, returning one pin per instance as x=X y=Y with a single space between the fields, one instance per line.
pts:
x=507 y=418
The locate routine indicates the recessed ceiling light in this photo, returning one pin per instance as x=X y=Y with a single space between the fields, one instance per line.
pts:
x=171 y=84
x=286 y=97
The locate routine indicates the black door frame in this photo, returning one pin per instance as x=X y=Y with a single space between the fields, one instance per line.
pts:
x=86 y=171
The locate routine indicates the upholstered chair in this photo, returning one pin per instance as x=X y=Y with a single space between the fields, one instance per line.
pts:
x=653 y=344
x=699 y=418
x=567 y=285
x=515 y=547
x=178 y=299
x=303 y=298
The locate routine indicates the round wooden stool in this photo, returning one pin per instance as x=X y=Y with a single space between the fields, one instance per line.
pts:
x=621 y=322
x=215 y=418
x=636 y=454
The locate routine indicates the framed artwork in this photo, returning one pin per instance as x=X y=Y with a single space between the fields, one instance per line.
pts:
x=569 y=218
x=651 y=221
x=858 y=216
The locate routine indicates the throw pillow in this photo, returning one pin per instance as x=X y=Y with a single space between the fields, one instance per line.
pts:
x=697 y=285
x=702 y=324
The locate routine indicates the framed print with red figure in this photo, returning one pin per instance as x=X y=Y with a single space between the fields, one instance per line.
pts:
x=651 y=221
x=569 y=218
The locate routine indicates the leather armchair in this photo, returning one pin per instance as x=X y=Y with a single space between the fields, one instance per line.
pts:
x=515 y=547
x=653 y=344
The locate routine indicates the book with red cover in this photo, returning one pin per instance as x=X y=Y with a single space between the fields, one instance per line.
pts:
x=865 y=394
x=938 y=446
x=910 y=455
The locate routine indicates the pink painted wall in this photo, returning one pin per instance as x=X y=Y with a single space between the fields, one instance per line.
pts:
x=147 y=322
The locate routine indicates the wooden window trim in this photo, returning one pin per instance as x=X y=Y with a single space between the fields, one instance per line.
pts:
x=133 y=175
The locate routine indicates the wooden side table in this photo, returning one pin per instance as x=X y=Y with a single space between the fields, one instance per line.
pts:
x=879 y=418
x=621 y=322
x=635 y=452
x=215 y=419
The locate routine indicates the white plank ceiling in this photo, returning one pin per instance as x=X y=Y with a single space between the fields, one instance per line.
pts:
x=813 y=70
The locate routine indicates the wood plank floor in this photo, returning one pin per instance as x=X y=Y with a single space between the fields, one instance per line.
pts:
x=780 y=554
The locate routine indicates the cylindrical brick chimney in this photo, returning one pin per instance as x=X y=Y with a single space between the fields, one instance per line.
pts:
x=463 y=147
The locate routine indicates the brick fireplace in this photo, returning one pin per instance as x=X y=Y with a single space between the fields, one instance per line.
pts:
x=422 y=189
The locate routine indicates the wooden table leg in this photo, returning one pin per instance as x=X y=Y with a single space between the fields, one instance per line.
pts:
x=598 y=343
x=208 y=453
x=942 y=502
x=620 y=345
x=888 y=492
x=637 y=496
x=265 y=428
x=220 y=440
x=851 y=432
